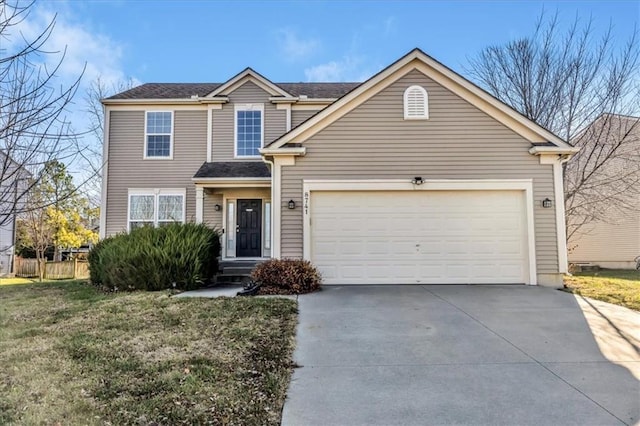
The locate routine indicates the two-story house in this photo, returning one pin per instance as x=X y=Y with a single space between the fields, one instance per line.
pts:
x=413 y=176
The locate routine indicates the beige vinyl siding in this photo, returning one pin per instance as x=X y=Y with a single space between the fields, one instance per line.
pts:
x=210 y=216
x=127 y=168
x=300 y=115
x=223 y=134
x=613 y=244
x=459 y=141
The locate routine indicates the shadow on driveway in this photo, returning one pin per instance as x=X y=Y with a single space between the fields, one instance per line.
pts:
x=391 y=355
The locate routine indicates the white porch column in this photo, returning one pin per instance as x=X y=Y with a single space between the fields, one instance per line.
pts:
x=199 y=204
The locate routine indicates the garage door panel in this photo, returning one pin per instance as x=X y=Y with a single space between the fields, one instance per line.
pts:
x=419 y=237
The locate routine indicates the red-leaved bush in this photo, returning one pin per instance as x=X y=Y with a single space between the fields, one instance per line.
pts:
x=286 y=276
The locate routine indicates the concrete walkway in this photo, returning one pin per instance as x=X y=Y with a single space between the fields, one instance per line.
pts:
x=213 y=292
x=416 y=355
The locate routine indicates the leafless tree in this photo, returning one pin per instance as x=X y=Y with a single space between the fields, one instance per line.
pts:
x=34 y=129
x=577 y=84
x=92 y=142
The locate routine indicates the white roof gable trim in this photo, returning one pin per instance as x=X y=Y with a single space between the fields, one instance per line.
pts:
x=242 y=78
x=416 y=59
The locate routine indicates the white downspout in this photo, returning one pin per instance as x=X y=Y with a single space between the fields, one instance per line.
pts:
x=561 y=229
x=275 y=212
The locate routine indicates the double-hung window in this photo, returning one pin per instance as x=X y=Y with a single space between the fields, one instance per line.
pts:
x=159 y=134
x=155 y=207
x=249 y=129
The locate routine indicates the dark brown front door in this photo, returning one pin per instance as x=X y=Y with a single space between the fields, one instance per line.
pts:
x=249 y=228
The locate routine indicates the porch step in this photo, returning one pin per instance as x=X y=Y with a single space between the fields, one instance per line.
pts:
x=221 y=279
x=223 y=265
x=237 y=270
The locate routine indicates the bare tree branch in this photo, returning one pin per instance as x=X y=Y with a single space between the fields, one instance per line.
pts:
x=584 y=90
x=90 y=146
x=34 y=129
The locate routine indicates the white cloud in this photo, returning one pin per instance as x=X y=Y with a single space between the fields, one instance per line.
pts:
x=294 y=47
x=350 y=68
x=82 y=47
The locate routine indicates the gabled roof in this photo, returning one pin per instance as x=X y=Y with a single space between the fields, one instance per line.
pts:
x=319 y=90
x=186 y=90
x=233 y=169
x=417 y=59
x=167 y=91
x=626 y=123
x=249 y=75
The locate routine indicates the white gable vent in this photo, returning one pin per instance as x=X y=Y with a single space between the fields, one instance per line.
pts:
x=416 y=103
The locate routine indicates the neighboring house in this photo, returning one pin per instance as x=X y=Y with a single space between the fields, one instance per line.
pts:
x=612 y=241
x=11 y=194
x=7 y=245
x=414 y=176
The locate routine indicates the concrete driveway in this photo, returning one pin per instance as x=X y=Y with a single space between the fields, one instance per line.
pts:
x=418 y=355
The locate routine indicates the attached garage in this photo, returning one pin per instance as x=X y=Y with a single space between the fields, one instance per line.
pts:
x=436 y=233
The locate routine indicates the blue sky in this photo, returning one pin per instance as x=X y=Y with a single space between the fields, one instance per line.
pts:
x=210 y=41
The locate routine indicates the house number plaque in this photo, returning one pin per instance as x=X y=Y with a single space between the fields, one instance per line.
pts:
x=306 y=202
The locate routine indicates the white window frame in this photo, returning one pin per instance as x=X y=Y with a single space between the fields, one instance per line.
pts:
x=247 y=107
x=146 y=135
x=422 y=90
x=156 y=193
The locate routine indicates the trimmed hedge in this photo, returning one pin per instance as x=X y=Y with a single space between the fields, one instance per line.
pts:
x=286 y=276
x=181 y=256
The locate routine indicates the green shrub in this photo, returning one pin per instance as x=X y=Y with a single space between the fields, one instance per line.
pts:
x=286 y=276
x=181 y=256
x=96 y=270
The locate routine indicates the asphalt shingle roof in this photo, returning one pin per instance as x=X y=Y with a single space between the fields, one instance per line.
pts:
x=233 y=169
x=186 y=90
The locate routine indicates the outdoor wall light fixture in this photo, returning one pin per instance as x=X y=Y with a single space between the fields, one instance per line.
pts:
x=547 y=203
x=292 y=204
x=217 y=207
x=417 y=180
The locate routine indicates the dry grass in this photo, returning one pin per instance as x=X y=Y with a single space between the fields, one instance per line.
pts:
x=72 y=355
x=17 y=280
x=619 y=286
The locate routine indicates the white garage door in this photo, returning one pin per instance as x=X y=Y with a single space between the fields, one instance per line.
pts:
x=427 y=237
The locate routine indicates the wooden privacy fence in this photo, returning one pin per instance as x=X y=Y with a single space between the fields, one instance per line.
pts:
x=28 y=268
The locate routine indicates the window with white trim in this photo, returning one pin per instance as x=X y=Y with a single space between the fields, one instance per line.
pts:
x=158 y=134
x=249 y=129
x=416 y=103
x=155 y=207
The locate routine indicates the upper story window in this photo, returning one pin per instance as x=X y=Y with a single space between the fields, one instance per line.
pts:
x=155 y=207
x=159 y=134
x=416 y=103
x=249 y=129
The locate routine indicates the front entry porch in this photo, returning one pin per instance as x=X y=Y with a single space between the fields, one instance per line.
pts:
x=243 y=217
x=235 y=198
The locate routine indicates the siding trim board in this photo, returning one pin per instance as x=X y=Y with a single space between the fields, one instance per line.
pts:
x=105 y=173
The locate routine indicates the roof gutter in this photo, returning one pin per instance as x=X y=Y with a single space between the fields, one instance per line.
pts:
x=194 y=100
x=297 y=151
x=233 y=182
x=539 y=150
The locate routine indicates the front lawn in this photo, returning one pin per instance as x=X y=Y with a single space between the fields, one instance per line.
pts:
x=17 y=280
x=619 y=286
x=70 y=354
